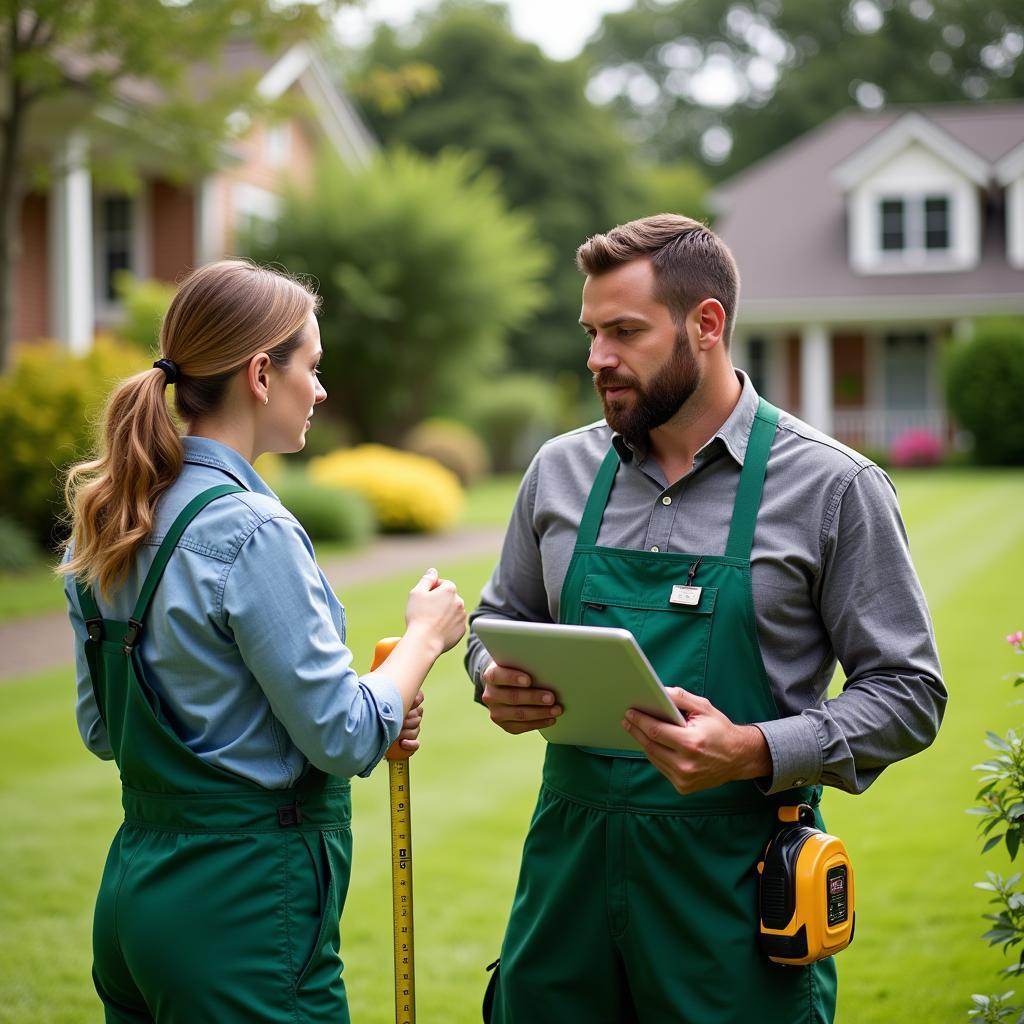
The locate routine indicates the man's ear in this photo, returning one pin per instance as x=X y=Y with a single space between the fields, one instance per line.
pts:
x=709 y=317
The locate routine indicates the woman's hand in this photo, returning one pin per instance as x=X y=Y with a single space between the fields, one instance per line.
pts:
x=409 y=737
x=436 y=611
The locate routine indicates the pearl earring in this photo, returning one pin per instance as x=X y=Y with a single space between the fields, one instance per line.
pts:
x=266 y=399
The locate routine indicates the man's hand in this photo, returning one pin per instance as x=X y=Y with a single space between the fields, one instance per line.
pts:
x=515 y=704
x=707 y=750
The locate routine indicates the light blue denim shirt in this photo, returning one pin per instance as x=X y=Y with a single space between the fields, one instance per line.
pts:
x=244 y=641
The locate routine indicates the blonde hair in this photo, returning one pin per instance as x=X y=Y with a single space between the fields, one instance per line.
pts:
x=220 y=317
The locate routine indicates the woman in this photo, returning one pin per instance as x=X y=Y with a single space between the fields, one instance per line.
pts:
x=212 y=668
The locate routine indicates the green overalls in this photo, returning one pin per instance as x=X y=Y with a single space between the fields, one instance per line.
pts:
x=220 y=899
x=635 y=903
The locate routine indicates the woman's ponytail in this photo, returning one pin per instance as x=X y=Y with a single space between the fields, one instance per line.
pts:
x=112 y=498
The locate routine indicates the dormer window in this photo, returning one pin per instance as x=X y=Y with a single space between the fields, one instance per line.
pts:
x=936 y=222
x=914 y=224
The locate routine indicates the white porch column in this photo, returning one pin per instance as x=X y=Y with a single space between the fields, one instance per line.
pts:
x=816 y=377
x=209 y=220
x=72 y=317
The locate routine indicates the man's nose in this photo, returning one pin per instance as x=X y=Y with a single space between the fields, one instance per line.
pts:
x=602 y=355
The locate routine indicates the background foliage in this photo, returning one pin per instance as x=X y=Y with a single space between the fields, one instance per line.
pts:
x=422 y=269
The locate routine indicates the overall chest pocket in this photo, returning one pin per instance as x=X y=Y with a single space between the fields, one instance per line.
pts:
x=674 y=636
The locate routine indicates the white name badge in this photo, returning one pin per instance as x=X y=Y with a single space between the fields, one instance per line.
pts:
x=686 y=595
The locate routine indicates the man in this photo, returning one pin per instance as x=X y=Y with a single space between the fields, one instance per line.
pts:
x=637 y=894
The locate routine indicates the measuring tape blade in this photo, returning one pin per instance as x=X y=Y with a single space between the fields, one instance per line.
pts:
x=401 y=892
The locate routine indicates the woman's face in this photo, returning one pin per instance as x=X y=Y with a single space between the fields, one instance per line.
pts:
x=294 y=391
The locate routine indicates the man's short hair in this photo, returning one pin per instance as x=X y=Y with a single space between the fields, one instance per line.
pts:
x=690 y=262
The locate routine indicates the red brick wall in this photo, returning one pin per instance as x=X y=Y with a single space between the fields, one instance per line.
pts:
x=33 y=281
x=848 y=371
x=172 y=230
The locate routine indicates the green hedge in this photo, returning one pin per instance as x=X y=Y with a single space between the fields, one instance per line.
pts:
x=984 y=385
x=326 y=513
x=50 y=403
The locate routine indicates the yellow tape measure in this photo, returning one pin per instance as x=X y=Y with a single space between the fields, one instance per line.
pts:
x=401 y=892
x=401 y=867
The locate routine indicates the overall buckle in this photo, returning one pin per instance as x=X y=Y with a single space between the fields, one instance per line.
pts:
x=131 y=635
x=94 y=627
x=289 y=815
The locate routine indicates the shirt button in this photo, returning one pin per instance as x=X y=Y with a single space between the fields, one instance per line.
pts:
x=655 y=547
x=666 y=500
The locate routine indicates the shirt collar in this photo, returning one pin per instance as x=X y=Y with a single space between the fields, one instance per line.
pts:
x=204 y=451
x=733 y=434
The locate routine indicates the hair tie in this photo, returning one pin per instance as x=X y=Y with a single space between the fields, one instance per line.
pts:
x=170 y=369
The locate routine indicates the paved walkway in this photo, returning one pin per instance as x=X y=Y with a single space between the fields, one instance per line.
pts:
x=44 y=642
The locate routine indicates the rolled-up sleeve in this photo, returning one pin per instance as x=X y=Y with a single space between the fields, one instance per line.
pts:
x=277 y=607
x=874 y=611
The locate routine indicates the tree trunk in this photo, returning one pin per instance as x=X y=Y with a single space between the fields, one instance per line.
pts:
x=11 y=195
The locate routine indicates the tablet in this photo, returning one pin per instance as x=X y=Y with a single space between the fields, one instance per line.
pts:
x=596 y=673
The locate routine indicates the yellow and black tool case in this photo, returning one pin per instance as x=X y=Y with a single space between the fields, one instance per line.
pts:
x=806 y=905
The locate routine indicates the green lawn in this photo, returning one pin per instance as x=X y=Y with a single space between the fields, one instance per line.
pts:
x=917 y=955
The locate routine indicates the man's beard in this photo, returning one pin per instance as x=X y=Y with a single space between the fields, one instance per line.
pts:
x=650 y=406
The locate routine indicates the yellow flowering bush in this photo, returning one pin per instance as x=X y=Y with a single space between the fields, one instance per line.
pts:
x=50 y=405
x=408 y=493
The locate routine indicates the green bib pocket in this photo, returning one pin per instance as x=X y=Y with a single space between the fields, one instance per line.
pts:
x=670 y=633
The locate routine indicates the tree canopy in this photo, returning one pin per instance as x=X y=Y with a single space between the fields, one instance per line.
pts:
x=559 y=157
x=729 y=81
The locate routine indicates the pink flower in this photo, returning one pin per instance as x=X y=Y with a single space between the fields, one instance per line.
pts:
x=916 y=447
x=1016 y=639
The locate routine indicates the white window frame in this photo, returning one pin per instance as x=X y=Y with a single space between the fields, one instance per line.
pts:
x=914 y=252
x=108 y=311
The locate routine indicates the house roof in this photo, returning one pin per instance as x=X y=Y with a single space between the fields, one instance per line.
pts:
x=275 y=73
x=785 y=220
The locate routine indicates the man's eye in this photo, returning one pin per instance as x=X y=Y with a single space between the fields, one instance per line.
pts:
x=627 y=332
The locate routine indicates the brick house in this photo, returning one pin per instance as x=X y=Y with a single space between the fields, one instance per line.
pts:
x=865 y=246
x=76 y=235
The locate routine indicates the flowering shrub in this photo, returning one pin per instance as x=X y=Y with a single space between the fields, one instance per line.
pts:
x=50 y=403
x=916 y=447
x=1001 y=814
x=408 y=493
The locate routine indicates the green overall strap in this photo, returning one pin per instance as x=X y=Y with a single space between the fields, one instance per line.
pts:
x=590 y=524
x=164 y=552
x=748 y=493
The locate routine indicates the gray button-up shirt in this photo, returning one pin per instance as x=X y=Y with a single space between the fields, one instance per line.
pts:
x=831 y=571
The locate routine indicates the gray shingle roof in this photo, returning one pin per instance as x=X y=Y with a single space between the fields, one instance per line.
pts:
x=785 y=220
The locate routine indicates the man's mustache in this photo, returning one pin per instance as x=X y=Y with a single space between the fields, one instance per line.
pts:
x=609 y=379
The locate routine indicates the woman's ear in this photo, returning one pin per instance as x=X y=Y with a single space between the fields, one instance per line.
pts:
x=258 y=377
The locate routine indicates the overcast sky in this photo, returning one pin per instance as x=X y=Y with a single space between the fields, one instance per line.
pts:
x=559 y=27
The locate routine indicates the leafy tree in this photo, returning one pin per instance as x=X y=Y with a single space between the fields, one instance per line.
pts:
x=559 y=157
x=423 y=271
x=784 y=67
x=63 y=60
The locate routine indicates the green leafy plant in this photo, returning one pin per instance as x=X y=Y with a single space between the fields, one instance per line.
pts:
x=1001 y=820
x=984 y=381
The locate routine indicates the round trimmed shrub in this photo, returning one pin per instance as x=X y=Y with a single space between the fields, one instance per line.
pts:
x=18 y=551
x=408 y=493
x=452 y=444
x=326 y=513
x=515 y=415
x=984 y=384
